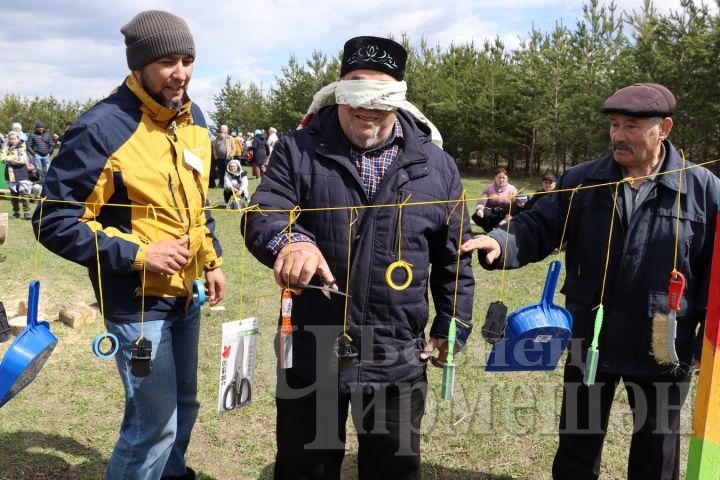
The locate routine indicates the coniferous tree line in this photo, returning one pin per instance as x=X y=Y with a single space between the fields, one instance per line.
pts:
x=530 y=109
x=533 y=108
x=53 y=112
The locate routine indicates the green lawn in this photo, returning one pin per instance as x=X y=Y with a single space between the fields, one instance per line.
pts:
x=64 y=425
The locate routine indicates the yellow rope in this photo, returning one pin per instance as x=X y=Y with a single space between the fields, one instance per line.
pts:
x=37 y=243
x=612 y=224
x=507 y=237
x=294 y=215
x=100 y=287
x=459 y=240
x=399 y=226
x=354 y=216
x=567 y=220
x=148 y=208
x=677 y=222
x=430 y=202
x=243 y=256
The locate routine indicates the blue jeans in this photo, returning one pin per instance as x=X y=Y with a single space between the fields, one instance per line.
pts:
x=160 y=409
x=43 y=161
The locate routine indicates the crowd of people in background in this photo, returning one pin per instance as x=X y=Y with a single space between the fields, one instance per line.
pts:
x=26 y=159
x=252 y=149
x=27 y=156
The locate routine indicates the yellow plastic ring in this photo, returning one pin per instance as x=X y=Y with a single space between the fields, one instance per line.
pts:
x=391 y=268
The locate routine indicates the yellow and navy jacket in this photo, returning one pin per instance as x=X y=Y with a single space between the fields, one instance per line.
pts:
x=131 y=172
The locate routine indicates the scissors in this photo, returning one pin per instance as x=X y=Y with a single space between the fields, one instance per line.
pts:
x=239 y=391
x=237 y=395
x=324 y=288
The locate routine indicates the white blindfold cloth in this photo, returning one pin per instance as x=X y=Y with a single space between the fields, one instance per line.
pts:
x=372 y=95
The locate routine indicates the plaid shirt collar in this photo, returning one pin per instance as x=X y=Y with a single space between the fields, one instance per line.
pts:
x=372 y=164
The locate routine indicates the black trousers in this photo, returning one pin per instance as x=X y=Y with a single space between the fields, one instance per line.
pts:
x=220 y=166
x=655 y=444
x=311 y=431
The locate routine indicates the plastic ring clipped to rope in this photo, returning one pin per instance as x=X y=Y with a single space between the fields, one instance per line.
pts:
x=110 y=352
x=394 y=266
x=399 y=263
x=198 y=292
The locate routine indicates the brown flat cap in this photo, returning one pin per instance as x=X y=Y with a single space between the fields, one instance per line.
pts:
x=641 y=100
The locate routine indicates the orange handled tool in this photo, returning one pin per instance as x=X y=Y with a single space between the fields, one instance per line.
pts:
x=286 y=355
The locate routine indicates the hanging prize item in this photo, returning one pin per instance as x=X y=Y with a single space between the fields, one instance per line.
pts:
x=536 y=334
x=448 y=378
x=28 y=353
x=199 y=292
x=4 y=325
x=237 y=363
x=141 y=357
x=593 y=353
x=105 y=345
x=403 y=266
x=399 y=264
x=286 y=340
x=345 y=352
x=665 y=326
x=493 y=330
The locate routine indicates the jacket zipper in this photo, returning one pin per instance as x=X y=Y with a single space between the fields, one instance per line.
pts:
x=171 y=186
x=394 y=235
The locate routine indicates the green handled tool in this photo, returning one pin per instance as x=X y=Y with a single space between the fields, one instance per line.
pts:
x=448 y=380
x=593 y=353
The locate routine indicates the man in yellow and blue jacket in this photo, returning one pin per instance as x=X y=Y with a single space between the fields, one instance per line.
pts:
x=132 y=178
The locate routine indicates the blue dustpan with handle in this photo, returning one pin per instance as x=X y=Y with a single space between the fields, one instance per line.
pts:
x=536 y=334
x=28 y=353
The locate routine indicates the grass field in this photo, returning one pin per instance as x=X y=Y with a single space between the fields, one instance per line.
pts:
x=64 y=425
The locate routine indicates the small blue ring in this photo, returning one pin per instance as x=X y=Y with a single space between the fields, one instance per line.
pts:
x=114 y=345
x=198 y=292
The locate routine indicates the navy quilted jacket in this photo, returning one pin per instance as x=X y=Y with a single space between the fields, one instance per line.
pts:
x=640 y=262
x=311 y=168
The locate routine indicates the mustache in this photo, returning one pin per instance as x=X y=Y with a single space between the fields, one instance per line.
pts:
x=623 y=146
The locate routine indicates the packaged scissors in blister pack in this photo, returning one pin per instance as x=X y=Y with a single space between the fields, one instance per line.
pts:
x=237 y=363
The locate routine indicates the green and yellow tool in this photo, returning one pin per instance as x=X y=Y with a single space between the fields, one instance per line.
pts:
x=593 y=352
x=448 y=380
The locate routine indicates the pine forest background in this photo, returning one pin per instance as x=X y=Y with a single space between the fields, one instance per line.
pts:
x=530 y=109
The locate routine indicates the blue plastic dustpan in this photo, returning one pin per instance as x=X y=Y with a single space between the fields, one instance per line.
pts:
x=536 y=335
x=28 y=353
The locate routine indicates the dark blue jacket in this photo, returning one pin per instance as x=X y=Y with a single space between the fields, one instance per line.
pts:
x=260 y=149
x=312 y=168
x=641 y=257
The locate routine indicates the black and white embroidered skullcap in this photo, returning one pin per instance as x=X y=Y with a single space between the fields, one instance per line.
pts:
x=374 y=53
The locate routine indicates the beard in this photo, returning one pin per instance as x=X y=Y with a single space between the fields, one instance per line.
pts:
x=365 y=140
x=159 y=97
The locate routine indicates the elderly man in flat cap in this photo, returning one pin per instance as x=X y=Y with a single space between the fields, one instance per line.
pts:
x=132 y=173
x=363 y=147
x=639 y=218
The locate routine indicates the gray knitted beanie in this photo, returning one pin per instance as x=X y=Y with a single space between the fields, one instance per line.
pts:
x=155 y=34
